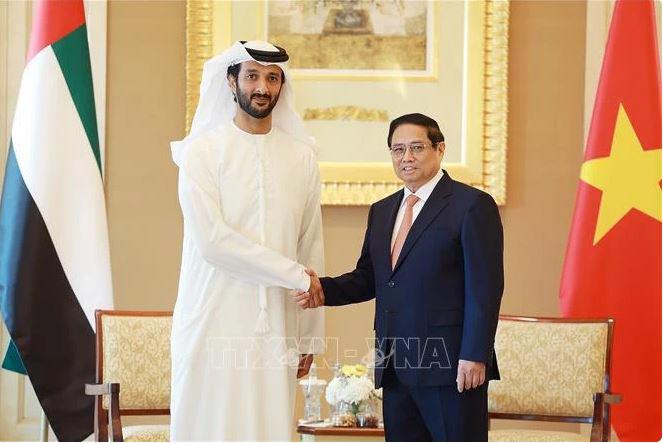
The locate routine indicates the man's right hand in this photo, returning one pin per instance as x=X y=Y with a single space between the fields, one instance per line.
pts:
x=315 y=297
x=470 y=374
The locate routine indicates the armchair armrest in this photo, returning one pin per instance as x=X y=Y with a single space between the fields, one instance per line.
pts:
x=114 y=420
x=612 y=399
x=601 y=418
x=102 y=388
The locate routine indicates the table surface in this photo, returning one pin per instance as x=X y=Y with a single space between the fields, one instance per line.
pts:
x=349 y=432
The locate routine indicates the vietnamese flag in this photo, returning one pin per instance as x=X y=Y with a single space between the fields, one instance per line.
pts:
x=613 y=259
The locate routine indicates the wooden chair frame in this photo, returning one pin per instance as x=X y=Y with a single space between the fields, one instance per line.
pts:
x=600 y=420
x=110 y=425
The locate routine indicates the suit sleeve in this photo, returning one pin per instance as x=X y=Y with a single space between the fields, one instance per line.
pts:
x=356 y=286
x=482 y=241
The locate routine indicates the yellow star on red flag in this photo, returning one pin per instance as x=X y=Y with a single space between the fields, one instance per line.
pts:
x=628 y=178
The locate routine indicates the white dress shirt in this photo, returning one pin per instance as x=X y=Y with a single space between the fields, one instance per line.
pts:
x=423 y=193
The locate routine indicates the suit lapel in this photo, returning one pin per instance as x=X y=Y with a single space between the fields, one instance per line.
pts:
x=387 y=229
x=433 y=206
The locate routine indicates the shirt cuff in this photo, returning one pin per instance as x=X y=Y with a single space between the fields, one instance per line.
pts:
x=305 y=281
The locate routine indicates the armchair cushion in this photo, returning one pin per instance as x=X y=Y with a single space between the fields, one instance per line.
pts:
x=533 y=435
x=146 y=433
x=136 y=354
x=548 y=368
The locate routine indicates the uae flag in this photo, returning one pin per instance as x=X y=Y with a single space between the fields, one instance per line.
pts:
x=613 y=260
x=54 y=255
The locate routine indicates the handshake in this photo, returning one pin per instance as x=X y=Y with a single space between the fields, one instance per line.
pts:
x=315 y=297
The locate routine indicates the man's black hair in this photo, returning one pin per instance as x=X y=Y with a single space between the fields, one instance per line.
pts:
x=432 y=128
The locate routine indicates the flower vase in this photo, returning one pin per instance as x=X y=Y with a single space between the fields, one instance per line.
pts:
x=366 y=415
x=346 y=416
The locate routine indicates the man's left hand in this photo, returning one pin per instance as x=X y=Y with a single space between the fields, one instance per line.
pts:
x=470 y=374
x=304 y=365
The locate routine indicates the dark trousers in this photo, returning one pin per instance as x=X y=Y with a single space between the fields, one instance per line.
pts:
x=433 y=413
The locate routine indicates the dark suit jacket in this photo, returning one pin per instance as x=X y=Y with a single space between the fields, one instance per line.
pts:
x=441 y=302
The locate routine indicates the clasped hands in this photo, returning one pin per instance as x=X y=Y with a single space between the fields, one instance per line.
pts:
x=314 y=297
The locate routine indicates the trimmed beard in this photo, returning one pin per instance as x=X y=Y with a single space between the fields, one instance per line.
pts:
x=244 y=101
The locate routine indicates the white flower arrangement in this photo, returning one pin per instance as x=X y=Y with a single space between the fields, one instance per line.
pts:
x=351 y=393
x=351 y=386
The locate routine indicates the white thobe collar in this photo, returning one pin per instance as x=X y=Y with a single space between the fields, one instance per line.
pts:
x=243 y=133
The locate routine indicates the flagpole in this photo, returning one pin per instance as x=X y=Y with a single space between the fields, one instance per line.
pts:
x=43 y=434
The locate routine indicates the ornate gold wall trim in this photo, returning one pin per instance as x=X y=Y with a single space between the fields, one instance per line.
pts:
x=356 y=113
x=356 y=193
x=496 y=99
x=199 y=48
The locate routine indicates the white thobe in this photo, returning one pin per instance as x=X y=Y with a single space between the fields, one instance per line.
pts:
x=251 y=206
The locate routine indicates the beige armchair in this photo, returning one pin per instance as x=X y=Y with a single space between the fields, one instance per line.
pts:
x=133 y=373
x=552 y=370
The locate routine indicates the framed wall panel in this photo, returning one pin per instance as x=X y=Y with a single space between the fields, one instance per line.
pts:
x=457 y=75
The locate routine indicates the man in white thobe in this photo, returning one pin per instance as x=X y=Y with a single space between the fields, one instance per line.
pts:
x=249 y=189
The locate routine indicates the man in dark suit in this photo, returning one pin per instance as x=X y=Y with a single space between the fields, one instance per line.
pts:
x=432 y=259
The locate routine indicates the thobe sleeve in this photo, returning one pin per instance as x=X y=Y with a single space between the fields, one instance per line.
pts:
x=310 y=252
x=218 y=243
